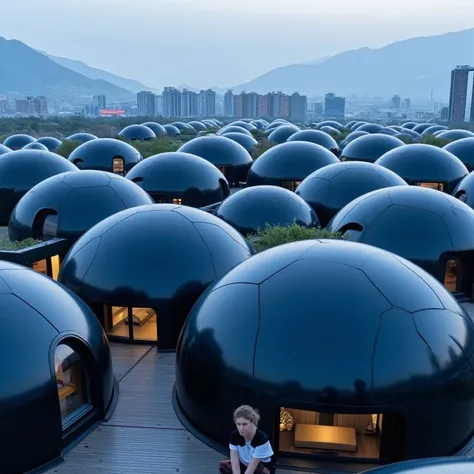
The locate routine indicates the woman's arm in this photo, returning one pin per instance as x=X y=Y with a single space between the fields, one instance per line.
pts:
x=252 y=466
x=235 y=462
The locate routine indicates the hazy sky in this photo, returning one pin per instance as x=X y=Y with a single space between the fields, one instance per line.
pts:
x=222 y=43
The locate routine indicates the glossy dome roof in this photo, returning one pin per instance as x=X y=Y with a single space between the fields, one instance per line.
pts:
x=219 y=151
x=39 y=314
x=455 y=134
x=315 y=136
x=432 y=223
x=309 y=298
x=21 y=170
x=18 y=141
x=289 y=161
x=171 y=130
x=330 y=188
x=427 y=466
x=51 y=143
x=464 y=150
x=80 y=200
x=282 y=133
x=247 y=141
x=99 y=154
x=35 y=146
x=137 y=132
x=157 y=128
x=178 y=175
x=233 y=129
x=424 y=163
x=82 y=137
x=370 y=128
x=251 y=209
x=178 y=249
x=370 y=147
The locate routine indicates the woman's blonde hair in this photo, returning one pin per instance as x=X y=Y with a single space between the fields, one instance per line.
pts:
x=248 y=413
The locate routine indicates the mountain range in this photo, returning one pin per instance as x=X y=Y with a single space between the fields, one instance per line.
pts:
x=411 y=68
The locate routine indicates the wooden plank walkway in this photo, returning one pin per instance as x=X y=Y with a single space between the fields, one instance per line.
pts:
x=143 y=436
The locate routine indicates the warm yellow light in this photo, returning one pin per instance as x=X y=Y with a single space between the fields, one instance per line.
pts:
x=55 y=266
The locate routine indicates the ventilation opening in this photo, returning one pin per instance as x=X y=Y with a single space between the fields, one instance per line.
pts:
x=363 y=437
x=351 y=231
x=138 y=180
x=456 y=272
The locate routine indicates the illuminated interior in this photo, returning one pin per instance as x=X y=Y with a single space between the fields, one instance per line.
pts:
x=452 y=275
x=351 y=436
x=48 y=266
x=118 y=165
x=437 y=186
x=225 y=170
x=70 y=381
x=136 y=324
x=290 y=185
x=177 y=201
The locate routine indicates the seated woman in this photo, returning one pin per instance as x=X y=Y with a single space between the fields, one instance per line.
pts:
x=250 y=448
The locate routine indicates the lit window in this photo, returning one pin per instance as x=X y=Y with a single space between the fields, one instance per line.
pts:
x=177 y=201
x=437 y=186
x=118 y=165
x=70 y=381
x=452 y=275
x=290 y=185
x=40 y=266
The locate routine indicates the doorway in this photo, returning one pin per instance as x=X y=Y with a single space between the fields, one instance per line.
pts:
x=131 y=323
x=360 y=437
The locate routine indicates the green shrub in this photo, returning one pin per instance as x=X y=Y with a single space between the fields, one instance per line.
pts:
x=6 y=244
x=262 y=146
x=435 y=141
x=67 y=147
x=271 y=236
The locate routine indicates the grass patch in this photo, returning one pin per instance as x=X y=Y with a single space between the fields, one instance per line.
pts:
x=6 y=244
x=271 y=236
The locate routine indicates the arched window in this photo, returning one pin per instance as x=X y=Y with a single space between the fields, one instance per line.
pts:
x=45 y=226
x=72 y=384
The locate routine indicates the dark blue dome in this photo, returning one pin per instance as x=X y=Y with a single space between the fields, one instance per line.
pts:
x=157 y=129
x=231 y=158
x=18 y=141
x=381 y=338
x=74 y=202
x=137 y=132
x=106 y=154
x=282 y=133
x=370 y=128
x=436 y=229
x=51 y=143
x=35 y=146
x=233 y=129
x=180 y=178
x=318 y=137
x=178 y=250
x=247 y=141
x=21 y=170
x=464 y=150
x=332 y=187
x=288 y=164
x=428 y=466
x=253 y=208
x=425 y=165
x=370 y=147
x=171 y=130
x=82 y=137
x=53 y=347
x=455 y=134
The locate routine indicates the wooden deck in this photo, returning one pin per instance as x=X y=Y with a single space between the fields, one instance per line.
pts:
x=143 y=436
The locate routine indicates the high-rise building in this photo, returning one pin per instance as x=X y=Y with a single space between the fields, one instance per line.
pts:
x=298 y=107
x=146 y=104
x=229 y=104
x=396 y=102
x=189 y=103
x=406 y=104
x=458 y=94
x=99 y=101
x=334 y=106
x=171 y=102
x=207 y=103
x=32 y=106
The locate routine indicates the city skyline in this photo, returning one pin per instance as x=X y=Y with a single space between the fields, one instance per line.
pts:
x=237 y=57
